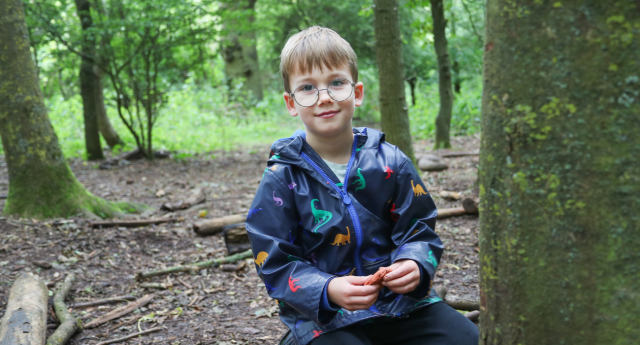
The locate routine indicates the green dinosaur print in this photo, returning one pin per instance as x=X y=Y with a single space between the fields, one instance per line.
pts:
x=341 y=312
x=339 y=184
x=265 y=171
x=432 y=260
x=430 y=300
x=360 y=181
x=275 y=157
x=320 y=216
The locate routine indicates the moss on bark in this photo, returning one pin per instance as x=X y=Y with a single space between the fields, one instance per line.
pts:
x=559 y=174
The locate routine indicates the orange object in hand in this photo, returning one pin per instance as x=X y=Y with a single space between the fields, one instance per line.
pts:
x=376 y=278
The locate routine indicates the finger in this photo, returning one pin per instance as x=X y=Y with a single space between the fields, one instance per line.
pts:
x=361 y=300
x=404 y=289
x=355 y=280
x=397 y=273
x=404 y=280
x=363 y=290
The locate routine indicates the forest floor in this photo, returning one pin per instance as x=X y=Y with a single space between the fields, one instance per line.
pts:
x=235 y=309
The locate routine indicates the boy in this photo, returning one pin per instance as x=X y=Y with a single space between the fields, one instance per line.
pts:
x=335 y=204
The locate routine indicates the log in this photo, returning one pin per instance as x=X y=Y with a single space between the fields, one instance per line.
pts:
x=198 y=197
x=473 y=315
x=133 y=223
x=470 y=206
x=69 y=325
x=197 y=266
x=450 y=212
x=213 y=226
x=118 y=312
x=463 y=304
x=130 y=336
x=235 y=238
x=25 y=318
x=103 y=301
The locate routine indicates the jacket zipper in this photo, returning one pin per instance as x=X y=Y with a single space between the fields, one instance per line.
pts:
x=346 y=200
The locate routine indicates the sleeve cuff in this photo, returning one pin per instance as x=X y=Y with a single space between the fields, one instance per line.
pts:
x=324 y=300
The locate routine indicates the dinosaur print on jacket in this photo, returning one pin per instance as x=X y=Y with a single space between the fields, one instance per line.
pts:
x=342 y=239
x=274 y=167
x=388 y=171
x=360 y=180
x=276 y=199
x=260 y=258
x=252 y=212
x=394 y=216
x=417 y=190
x=292 y=185
x=432 y=260
x=319 y=216
x=292 y=285
x=316 y=333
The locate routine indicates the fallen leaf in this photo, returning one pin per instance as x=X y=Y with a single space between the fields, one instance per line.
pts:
x=160 y=193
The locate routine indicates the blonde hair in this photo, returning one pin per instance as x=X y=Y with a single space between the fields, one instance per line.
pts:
x=319 y=47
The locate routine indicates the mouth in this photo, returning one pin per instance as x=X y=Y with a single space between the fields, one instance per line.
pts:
x=328 y=114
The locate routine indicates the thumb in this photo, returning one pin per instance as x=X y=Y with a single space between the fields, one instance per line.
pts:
x=355 y=280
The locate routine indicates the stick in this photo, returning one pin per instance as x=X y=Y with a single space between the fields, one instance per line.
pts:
x=463 y=304
x=470 y=206
x=473 y=315
x=25 y=318
x=130 y=336
x=197 y=266
x=185 y=283
x=133 y=223
x=213 y=226
x=155 y=285
x=118 y=312
x=103 y=301
x=69 y=325
x=450 y=212
x=458 y=154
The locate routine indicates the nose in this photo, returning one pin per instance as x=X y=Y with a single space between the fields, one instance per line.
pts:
x=323 y=97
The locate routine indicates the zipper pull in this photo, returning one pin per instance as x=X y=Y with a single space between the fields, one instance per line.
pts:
x=345 y=198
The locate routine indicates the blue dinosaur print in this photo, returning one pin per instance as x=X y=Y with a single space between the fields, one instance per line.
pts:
x=253 y=211
x=299 y=323
x=269 y=287
x=292 y=238
x=369 y=255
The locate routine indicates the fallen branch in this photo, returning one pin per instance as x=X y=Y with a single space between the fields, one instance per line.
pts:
x=25 y=318
x=463 y=304
x=198 y=197
x=103 y=301
x=459 y=154
x=213 y=226
x=130 y=336
x=133 y=223
x=197 y=266
x=162 y=286
x=450 y=212
x=69 y=325
x=473 y=315
x=118 y=312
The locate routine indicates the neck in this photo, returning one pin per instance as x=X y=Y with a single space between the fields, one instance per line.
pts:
x=335 y=149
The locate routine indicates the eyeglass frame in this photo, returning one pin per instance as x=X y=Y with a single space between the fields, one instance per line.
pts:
x=353 y=86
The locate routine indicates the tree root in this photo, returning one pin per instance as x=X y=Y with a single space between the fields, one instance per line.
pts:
x=69 y=325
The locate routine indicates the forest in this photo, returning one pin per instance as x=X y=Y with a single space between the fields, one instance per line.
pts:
x=136 y=134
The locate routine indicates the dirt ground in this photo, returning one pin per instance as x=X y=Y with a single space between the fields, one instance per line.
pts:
x=235 y=308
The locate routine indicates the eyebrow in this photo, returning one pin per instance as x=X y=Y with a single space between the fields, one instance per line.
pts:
x=309 y=79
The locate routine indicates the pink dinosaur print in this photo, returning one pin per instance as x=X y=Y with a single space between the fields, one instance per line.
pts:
x=316 y=333
x=388 y=171
x=292 y=284
x=277 y=200
x=394 y=216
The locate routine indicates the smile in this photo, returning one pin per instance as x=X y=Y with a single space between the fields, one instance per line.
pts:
x=328 y=114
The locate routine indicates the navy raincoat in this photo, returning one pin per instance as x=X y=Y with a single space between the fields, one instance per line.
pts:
x=306 y=227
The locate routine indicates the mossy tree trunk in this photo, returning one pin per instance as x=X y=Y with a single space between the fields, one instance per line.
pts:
x=239 y=48
x=40 y=181
x=89 y=83
x=560 y=174
x=443 y=120
x=394 y=117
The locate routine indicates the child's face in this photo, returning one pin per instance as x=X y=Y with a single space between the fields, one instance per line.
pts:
x=327 y=117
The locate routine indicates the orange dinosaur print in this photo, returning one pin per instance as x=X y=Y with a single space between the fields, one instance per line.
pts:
x=292 y=284
x=342 y=239
x=415 y=232
x=316 y=333
x=388 y=171
x=394 y=216
x=417 y=190
x=260 y=258
x=273 y=168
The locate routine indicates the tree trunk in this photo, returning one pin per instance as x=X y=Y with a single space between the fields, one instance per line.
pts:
x=559 y=169
x=40 y=181
x=443 y=121
x=89 y=84
x=108 y=132
x=457 y=80
x=240 y=53
x=25 y=319
x=394 y=118
x=412 y=85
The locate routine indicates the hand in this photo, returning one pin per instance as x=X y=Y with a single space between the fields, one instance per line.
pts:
x=404 y=276
x=350 y=293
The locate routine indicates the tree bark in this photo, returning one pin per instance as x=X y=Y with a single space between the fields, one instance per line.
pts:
x=558 y=175
x=69 y=325
x=25 y=319
x=240 y=53
x=40 y=181
x=443 y=121
x=104 y=124
x=89 y=83
x=394 y=118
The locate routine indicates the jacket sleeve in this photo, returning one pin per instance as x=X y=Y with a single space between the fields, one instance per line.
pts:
x=413 y=233
x=272 y=226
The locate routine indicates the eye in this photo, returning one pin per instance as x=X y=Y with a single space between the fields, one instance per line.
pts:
x=339 y=82
x=306 y=88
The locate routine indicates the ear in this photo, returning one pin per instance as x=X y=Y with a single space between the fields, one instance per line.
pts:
x=290 y=103
x=358 y=93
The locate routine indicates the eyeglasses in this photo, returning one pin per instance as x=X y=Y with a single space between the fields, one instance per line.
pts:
x=307 y=95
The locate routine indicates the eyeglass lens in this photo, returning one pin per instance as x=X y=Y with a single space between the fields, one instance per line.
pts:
x=307 y=95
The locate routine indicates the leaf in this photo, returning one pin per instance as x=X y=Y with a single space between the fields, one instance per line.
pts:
x=147 y=317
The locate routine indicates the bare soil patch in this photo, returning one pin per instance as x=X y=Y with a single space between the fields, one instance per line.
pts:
x=235 y=309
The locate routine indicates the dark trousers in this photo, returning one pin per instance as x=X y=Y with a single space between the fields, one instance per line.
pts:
x=437 y=324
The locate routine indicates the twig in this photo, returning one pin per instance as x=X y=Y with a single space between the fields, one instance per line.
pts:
x=473 y=25
x=92 y=254
x=130 y=336
x=103 y=301
x=118 y=312
x=185 y=283
x=69 y=325
x=197 y=266
x=54 y=281
x=155 y=285
x=133 y=223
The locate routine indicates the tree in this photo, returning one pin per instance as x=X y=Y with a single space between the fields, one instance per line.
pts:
x=443 y=121
x=41 y=183
x=394 y=118
x=559 y=173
